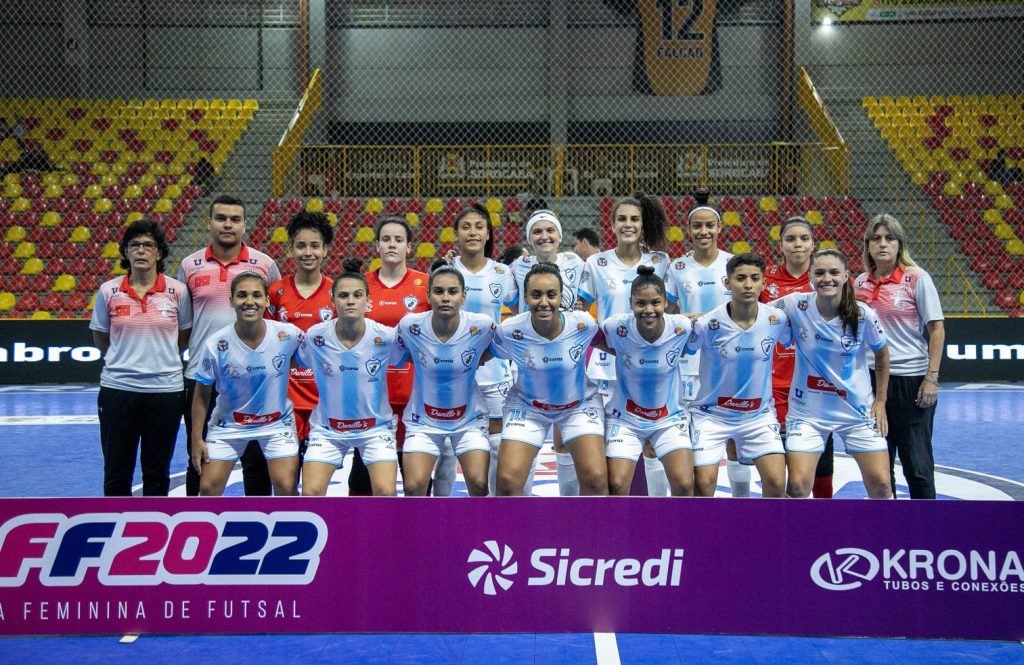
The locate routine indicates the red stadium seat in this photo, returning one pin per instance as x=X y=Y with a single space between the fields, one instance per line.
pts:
x=28 y=302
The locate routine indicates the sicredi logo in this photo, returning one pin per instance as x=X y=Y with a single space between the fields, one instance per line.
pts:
x=494 y=568
x=987 y=571
x=24 y=353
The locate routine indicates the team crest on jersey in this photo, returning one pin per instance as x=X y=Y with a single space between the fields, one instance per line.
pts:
x=576 y=352
x=773 y=320
x=467 y=357
x=378 y=341
x=802 y=305
x=621 y=331
x=414 y=329
x=325 y=313
x=581 y=326
x=591 y=413
x=766 y=345
x=278 y=361
x=410 y=302
x=655 y=259
x=280 y=291
x=499 y=270
x=570 y=275
x=517 y=334
x=713 y=324
x=282 y=336
x=495 y=289
x=222 y=345
x=601 y=261
x=474 y=330
x=773 y=291
x=283 y=314
x=319 y=340
x=848 y=342
x=372 y=366
x=680 y=265
x=417 y=282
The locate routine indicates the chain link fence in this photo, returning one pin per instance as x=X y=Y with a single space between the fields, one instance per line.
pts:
x=115 y=109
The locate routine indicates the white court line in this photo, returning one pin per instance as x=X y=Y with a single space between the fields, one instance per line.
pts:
x=606 y=649
x=50 y=420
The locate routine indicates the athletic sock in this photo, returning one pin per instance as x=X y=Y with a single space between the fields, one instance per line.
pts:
x=822 y=487
x=739 y=478
x=657 y=481
x=568 y=483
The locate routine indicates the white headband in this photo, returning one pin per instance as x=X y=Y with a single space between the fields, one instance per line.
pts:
x=542 y=216
x=718 y=215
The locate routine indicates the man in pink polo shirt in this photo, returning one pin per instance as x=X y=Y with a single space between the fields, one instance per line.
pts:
x=208 y=274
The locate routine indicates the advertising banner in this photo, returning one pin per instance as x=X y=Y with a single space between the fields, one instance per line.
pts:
x=107 y=566
x=852 y=11
x=55 y=351
x=983 y=350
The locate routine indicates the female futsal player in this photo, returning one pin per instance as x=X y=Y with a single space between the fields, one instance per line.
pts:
x=394 y=291
x=349 y=357
x=446 y=346
x=139 y=323
x=248 y=363
x=831 y=385
x=640 y=230
x=549 y=347
x=908 y=306
x=645 y=406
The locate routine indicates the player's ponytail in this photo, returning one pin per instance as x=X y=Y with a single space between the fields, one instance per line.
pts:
x=352 y=264
x=442 y=267
x=849 y=311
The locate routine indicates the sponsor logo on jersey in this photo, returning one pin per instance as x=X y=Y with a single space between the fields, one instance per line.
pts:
x=679 y=331
x=555 y=407
x=325 y=313
x=773 y=320
x=581 y=326
x=254 y=419
x=222 y=345
x=351 y=425
x=499 y=269
x=655 y=259
x=645 y=412
x=739 y=404
x=823 y=385
x=446 y=413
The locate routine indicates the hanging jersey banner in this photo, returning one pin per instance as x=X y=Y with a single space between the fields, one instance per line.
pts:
x=676 y=46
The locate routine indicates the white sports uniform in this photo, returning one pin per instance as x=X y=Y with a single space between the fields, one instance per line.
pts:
x=696 y=288
x=831 y=389
x=252 y=391
x=734 y=400
x=552 y=386
x=486 y=292
x=353 y=410
x=608 y=281
x=645 y=404
x=569 y=265
x=445 y=400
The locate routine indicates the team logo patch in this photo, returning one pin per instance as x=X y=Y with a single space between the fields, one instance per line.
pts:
x=802 y=305
x=372 y=366
x=621 y=331
x=325 y=313
x=278 y=361
x=414 y=329
x=713 y=324
x=680 y=265
x=773 y=320
x=495 y=289
x=773 y=291
x=679 y=331
x=410 y=302
x=671 y=357
x=848 y=342
x=602 y=262
x=581 y=326
x=378 y=341
x=766 y=345
x=417 y=282
x=570 y=275
x=467 y=358
x=319 y=340
x=499 y=270
x=474 y=330
x=283 y=315
x=280 y=291
x=282 y=336
x=517 y=334
x=575 y=353
x=655 y=259
x=222 y=345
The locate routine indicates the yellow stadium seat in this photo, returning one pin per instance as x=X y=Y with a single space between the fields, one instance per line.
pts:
x=413 y=219
x=69 y=179
x=1004 y=202
x=163 y=206
x=251 y=104
x=12 y=178
x=740 y=247
x=24 y=250
x=920 y=178
x=33 y=266
x=12 y=190
x=50 y=218
x=495 y=219
x=7 y=301
x=1004 y=231
x=102 y=205
x=993 y=188
x=493 y=205
x=118 y=270
x=425 y=250
x=768 y=204
x=110 y=251
x=374 y=206
x=775 y=233
x=92 y=302
x=80 y=234
x=15 y=234
x=21 y=204
x=992 y=216
x=173 y=192
x=234 y=104
x=332 y=218
x=730 y=218
x=1015 y=247
x=675 y=234
x=375 y=263
x=827 y=244
x=64 y=284
x=93 y=192
x=951 y=188
x=364 y=234
x=814 y=217
x=280 y=235
x=53 y=191
x=132 y=192
x=133 y=217
x=314 y=205
x=447 y=234
x=434 y=206
x=39 y=316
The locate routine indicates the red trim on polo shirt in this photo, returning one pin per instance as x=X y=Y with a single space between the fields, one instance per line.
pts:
x=159 y=287
x=876 y=285
x=242 y=256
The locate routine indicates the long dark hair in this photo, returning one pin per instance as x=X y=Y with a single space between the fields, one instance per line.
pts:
x=849 y=311
x=653 y=223
x=483 y=212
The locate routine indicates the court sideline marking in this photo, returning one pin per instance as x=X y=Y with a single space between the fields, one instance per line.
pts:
x=606 y=649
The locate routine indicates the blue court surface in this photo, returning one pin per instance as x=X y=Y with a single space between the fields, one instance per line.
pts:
x=51 y=444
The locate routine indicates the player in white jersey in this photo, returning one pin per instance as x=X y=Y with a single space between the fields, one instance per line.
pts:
x=831 y=389
x=248 y=362
x=645 y=405
x=640 y=228
x=349 y=357
x=446 y=345
x=549 y=347
x=734 y=400
x=489 y=286
x=544 y=234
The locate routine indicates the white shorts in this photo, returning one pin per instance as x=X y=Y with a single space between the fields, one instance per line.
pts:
x=529 y=424
x=627 y=442
x=494 y=398
x=376 y=444
x=688 y=384
x=754 y=438
x=808 y=436
x=275 y=446
x=464 y=441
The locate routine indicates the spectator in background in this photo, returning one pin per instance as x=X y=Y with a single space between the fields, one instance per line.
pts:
x=140 y=322
x=208 y=274
x=999 y=171
x=512 y=253
x=586 y=243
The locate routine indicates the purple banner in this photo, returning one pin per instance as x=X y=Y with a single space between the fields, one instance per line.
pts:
x=945 y=569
